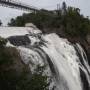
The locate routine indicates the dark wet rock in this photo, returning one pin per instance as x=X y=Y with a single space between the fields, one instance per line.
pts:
x=84 y=80
x=19 y=40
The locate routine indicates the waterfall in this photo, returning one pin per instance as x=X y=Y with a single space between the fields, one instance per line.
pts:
x=67 y=63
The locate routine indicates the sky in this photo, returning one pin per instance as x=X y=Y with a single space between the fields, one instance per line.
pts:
x=7 y=13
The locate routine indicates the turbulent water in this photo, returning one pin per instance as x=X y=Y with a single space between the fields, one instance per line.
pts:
x=66 y=62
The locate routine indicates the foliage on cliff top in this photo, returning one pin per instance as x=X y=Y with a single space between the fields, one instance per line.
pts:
x=67 y=19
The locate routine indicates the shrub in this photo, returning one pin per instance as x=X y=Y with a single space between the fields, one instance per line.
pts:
x=2 y=42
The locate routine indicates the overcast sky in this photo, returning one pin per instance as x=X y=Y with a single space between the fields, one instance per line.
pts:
x=7 y=13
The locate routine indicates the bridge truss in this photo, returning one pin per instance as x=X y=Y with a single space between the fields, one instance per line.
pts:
x=18 y=5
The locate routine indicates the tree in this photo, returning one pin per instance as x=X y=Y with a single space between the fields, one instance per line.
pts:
x=2 y=42
x=0 y=23
x=38 y=80
x=12 y=22
x=64 y=8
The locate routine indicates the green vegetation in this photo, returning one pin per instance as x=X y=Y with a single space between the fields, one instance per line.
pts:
x=38 y=81
x=15 y=75
x=2 y=42
x=0 y=22
x=66 y=19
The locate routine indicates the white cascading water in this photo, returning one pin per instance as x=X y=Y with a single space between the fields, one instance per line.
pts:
x=64 y=57
x=67 y=63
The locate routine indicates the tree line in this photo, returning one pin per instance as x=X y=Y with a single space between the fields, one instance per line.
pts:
x=67 y=19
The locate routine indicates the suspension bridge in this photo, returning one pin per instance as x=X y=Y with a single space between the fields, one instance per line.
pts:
x=18 y=5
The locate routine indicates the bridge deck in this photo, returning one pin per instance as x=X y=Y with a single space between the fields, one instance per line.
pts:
x=17 y=5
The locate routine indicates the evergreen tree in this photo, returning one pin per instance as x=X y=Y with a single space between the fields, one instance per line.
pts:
x=0 y=23
x=12 y=22
x=64 y=8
